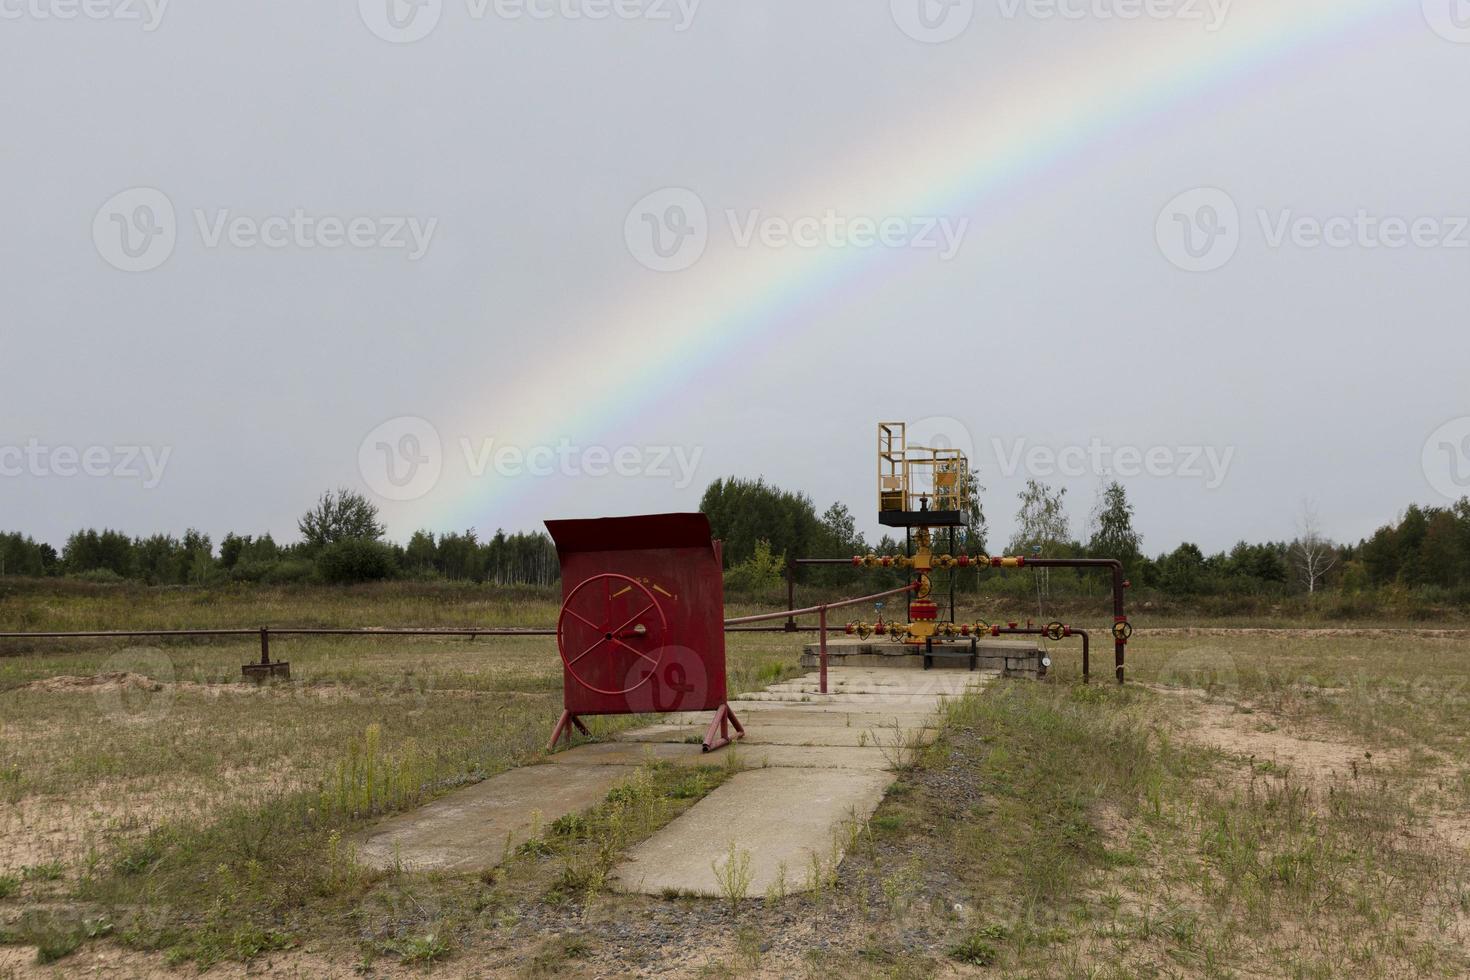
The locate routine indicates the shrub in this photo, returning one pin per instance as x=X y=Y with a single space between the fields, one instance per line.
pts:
x=289 y=572
x=762 y=572
x=100 y=576
x=254 y=571
x=356 y=560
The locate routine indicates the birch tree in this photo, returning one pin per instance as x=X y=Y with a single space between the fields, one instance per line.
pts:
x=1314 y=554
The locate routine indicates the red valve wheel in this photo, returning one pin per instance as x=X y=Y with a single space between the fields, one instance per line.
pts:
x=604 y=627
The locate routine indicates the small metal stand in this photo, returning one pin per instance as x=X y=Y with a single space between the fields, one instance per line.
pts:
x=264 y=669
x=721 y=723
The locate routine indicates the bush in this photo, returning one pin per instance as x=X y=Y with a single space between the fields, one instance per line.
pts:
x=761 y=573
x=255 y=571
x=356 y=560
x=100 y=576
x=289 y=572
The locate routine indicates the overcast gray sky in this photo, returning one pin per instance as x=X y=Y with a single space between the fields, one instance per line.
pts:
x=497 y=262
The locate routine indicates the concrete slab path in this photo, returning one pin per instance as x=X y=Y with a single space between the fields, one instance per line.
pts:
x=474 y=828
x=784 y=825
x=811 y=764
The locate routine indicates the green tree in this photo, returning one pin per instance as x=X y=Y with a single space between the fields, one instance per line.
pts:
x=88 y=551
x=744 y=512
x=975 y=532
x=1114 y=536
x=345 y=515
x=1041 y=523
x=1183 y=571
x=422 y=554
x=24 y=556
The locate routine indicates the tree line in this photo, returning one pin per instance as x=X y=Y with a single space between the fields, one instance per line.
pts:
x=341 y=542
x=1426 y=550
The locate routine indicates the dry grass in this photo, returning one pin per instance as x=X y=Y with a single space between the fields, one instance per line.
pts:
x=1282 y=804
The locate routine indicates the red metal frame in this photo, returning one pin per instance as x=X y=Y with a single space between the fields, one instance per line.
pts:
x=641 y=630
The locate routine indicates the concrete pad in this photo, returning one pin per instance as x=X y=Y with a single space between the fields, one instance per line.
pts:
x=675 y=734
x=791 y=734
x=468 y=830
x=935 y=686
x=758 y=756
x=623 y=753
x=917 y=701
x=887 y=681
x=780 y=713
x=779 y=818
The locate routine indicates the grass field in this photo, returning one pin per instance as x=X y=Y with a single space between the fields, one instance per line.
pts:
x=1281 y=803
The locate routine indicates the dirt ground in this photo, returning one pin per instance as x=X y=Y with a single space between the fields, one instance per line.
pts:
x=1299 y=741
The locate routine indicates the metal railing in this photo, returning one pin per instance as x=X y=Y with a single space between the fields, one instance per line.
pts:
x=821 y=613
x=265 y=666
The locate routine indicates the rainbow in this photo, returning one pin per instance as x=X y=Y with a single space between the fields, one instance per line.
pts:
x=973 y=149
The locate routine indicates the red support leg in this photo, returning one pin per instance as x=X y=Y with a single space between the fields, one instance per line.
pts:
x=717 y=736
x=564 y=727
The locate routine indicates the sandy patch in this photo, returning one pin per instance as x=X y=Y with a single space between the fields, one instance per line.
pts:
x=107 y=960
x=45 y=828
x=1262 y=737
x=118 y=680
